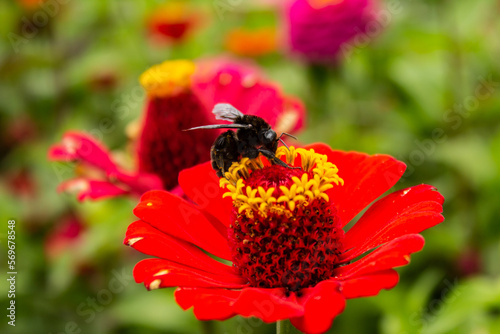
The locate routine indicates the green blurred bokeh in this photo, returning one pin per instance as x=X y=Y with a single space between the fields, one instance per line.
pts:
x=426 y=90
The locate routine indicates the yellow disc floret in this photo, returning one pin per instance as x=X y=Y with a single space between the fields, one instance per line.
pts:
x=318 y=176
x=168 y=78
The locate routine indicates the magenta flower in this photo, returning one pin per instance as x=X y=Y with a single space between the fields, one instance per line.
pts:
x=319 y=30
x=180 y=95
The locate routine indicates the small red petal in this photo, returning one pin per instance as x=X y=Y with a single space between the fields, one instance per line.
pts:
x=151 y=241
x=209 y=304
x=201 y=184
x=403 y=212
x=392 y=254
x=164 y=273
x=60 y=153
x=365 y=178
x=369 y=285
x=177 y=217
x=92 y=189
x=321 y=304
x=270 y=305
x=85 y=149
x=140 y=183
x=79 y=146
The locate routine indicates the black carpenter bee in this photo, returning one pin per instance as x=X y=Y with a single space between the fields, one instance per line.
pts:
x=254 y=136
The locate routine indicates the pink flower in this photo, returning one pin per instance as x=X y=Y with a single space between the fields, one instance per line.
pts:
x=180 y=95
x=319 y=30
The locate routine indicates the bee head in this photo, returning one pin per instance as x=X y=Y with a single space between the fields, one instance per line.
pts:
x=269 y=136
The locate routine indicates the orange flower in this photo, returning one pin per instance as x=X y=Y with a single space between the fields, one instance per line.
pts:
x=251 y=43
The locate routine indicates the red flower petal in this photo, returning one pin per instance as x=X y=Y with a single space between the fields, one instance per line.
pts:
x=85 y=149
x=159 y=273
x=92 y=189
x=201 y=185
x=369 y=285
x=175 y=216
x=149 y=240
x=270 y=305
x=322 y=304
x=365 y=178
x=79 y=146
x=140 y=183
x=392 y=254
x=403 y=212
x=209 y=304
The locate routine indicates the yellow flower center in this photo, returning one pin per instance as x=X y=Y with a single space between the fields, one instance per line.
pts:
x=317 y=175
x=168 y=78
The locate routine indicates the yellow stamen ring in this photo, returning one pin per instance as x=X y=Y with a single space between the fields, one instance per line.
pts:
x=168 y=78
x=300 y=193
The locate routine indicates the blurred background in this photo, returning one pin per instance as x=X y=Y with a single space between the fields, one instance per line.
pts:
x=423 y=87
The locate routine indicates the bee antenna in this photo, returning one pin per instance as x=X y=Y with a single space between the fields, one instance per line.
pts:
x=286 y=134
x=221 y=126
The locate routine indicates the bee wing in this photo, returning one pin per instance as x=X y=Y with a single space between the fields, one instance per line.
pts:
x=221 y=126
x=226 y=112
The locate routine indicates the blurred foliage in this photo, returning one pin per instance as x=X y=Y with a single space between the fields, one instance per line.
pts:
x=416 y=91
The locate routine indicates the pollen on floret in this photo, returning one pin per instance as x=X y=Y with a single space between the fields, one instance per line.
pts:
x=162 y=272
x=155 y=284
x=168 y=78
x=132 y=241
x=284 y=230
x=249 y=180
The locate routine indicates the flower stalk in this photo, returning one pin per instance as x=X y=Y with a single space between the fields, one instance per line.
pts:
x=286 y=327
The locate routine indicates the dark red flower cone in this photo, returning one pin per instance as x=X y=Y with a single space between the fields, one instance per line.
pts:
x=164 y=149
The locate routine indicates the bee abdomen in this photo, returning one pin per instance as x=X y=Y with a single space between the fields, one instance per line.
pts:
x=224 y=152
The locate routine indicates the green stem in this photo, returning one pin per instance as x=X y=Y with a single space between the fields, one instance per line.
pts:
x=286 y=327
x=207 y=327
x=318 y=79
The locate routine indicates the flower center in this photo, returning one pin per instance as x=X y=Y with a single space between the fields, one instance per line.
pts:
x=168 y=78
x=284 y=231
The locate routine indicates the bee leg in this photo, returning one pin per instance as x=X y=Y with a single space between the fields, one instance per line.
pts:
x=274 y=159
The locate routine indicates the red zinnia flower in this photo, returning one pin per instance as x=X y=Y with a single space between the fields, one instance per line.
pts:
x=282 y=228
x=173 y=21
x=318 y=29
x=180 y=95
